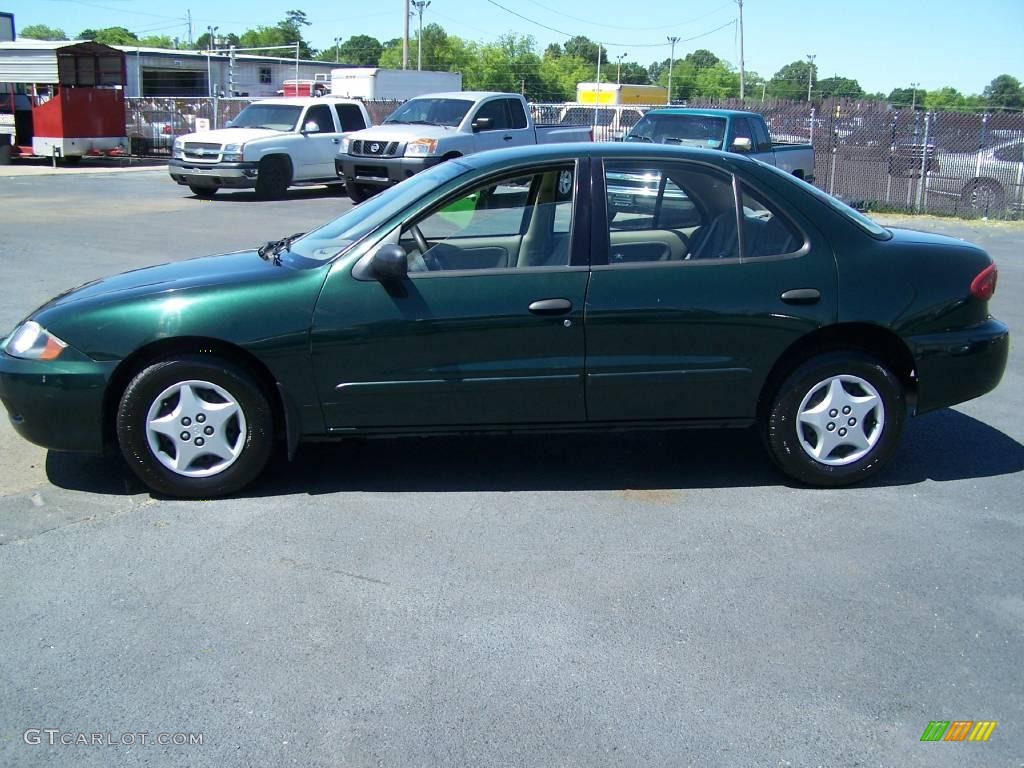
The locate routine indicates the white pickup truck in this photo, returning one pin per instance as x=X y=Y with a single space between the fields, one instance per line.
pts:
x=430 y=129
x=270 y=146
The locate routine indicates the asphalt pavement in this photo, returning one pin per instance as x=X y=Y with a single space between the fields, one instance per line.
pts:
x=615 y=600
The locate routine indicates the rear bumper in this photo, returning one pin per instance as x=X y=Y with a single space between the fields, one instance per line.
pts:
x=233 y=175
x=380 y=171
x=57 y=405
x=956 y=366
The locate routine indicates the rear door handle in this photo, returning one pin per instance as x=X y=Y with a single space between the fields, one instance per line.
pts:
x=550 y=307
x=801 y=296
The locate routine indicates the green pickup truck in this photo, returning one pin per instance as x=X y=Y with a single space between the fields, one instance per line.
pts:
x=726 y=129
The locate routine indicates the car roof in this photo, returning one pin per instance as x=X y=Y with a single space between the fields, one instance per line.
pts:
x=703 y=112
x=618 y=150
x=465 y=95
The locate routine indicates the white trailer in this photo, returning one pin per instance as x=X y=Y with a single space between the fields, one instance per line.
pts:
x=376 y=83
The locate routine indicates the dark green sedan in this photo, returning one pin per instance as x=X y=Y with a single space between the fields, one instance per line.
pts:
x=569 y=287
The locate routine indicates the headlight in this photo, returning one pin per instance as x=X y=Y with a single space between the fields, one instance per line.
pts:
x=33 y=342
x=420 y=147
x=343 y=149
x=233 y=153
x=178 y=149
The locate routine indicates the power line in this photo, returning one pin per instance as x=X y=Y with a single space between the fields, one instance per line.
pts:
x=632 y=29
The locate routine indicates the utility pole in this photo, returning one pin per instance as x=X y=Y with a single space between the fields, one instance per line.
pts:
x=190 y=28
x=742 y=73
x=810 y=72
x=420 y=6
x=618 y=69
x=405 y=36
x=913 y=100
x=672 y=39
x=337 y=49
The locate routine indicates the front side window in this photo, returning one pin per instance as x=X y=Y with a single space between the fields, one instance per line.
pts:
x=669 y=212
x=509 y=223
x=496 y=113
x=321 y=115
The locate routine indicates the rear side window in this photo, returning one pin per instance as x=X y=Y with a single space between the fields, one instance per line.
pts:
x=517 y=113
x=766 y=232
x=762 y=141
x=350 y=117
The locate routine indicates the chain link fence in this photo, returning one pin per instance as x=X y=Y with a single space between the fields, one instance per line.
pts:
x=874 y=157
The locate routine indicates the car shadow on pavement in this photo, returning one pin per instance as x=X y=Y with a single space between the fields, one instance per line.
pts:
x=250 y=196
x=942 y=446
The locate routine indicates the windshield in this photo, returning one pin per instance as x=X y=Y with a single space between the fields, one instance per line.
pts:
x=431 y=112
x=329 y=240
x=686 y=130
x=277 y=117
x=866 y=223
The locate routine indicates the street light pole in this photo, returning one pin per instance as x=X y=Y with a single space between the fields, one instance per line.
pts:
x=618 y=69
x=337 y=49
x=810 y=72
x=672 y=39
x=420 y=6
x=913 y=100
x=405 y=36
x=743 y=77
x=209 y=66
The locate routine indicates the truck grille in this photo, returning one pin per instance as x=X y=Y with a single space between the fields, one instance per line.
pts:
x=202 y=152
x=374 y=148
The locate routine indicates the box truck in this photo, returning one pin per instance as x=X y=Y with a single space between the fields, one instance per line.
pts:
x=401 y=84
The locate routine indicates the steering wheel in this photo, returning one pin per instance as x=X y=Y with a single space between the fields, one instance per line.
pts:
x=421 y=241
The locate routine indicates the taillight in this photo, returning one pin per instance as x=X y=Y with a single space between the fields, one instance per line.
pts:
x=984 y=284
x=167 y=129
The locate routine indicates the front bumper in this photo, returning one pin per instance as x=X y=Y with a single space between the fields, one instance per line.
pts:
x=57 y=404
x=956 y=366
x=232 y=175
x=380 y=171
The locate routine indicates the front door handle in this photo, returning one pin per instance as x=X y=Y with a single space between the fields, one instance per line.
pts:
x=801 y=296
x=506 y=137
x=550 y=307
x=336 y=141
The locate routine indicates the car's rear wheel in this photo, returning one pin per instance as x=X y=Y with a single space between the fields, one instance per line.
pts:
x=195 y=426
x=983 y=197
x=836 y=419
x=205 y=192
x=274 y=178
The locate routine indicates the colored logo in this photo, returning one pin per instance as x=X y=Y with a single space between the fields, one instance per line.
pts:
x=958 y=730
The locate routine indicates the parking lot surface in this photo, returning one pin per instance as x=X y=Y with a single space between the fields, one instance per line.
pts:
x=626 y=599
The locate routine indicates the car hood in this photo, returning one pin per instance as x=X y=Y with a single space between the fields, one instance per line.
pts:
x=401 y=132
x=233 y=135
x=206 y=271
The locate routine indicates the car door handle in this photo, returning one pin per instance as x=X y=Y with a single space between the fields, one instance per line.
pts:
x=506 y=137
x=550 y=306
x=801 y=296
x=336 y=141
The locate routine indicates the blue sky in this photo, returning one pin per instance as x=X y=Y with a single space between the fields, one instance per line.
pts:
x=883 y=44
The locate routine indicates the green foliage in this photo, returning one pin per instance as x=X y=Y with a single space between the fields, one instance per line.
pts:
x=42 y=32
x=1005 y=92
x=635 y=74
x=582 y=47
x=156 y=41
x=839 y=87
x=702 y=59
x=110 y=36
x=359 y=50
x=790 y=82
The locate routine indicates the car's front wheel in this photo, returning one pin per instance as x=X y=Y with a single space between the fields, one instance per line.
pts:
x=836 y=419
x=195 y=426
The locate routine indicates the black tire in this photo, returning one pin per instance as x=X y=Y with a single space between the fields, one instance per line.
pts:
x=786 y=435
x=72 y=160
x=5 y=151
x=274 y=178
x=204 y=192
x=357 y=193
x=252 y=444
x=983 y=196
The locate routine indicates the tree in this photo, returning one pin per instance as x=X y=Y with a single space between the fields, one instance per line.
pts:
x=110 y=36
x=1005 y=92
x=42 y=32
x=634 y=73
x=947 y=98
x=361 y=50
x=790 y=82
x=905 y=97
x=702 y=59
x=553 y=51
x=291 y=29
x=584 y=48
x=157 y=41
x=717 y=82
x=840 y=87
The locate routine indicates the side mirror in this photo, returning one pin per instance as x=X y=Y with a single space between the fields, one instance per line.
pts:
x=229 y=123
x=389 y=264
x=482 y=124
x=742 y=144
x=311 y=127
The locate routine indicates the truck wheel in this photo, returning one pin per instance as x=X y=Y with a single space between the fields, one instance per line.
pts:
x=274 y=178
x=204 y=192
x=357 y=193
x=5 y=153
x=983 y=196
x=72 y=160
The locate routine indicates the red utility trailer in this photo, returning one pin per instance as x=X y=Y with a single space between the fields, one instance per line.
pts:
x=64 y=99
